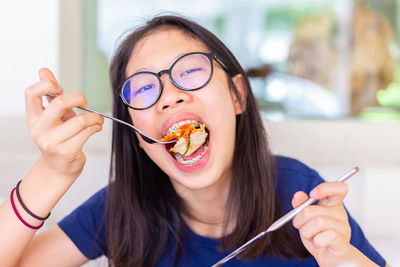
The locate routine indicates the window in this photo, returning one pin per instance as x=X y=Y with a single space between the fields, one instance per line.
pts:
x=305 y=59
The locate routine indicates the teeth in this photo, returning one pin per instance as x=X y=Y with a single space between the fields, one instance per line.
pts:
x=192 y=161
x=179 y=124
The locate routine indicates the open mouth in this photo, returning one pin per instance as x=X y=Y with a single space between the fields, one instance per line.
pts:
x=192 y=144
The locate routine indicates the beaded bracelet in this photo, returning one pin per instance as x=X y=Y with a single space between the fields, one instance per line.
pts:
x=19 y=216
x=25 y=208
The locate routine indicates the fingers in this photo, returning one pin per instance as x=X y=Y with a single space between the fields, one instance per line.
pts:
x=326 y=224
x=78 y=140
x=330 y=193
x=68 y=115
x=34 y=93
x=321 y=222
x=33 y=98
x=298 y=198
x=44 y=123
x=46 y=74
x=59 y=107
x=316 y=225
x=71 y=150
x=315 y=212
x=329 y=238
x=65 y=142
x=75 y=125
x=323 y=226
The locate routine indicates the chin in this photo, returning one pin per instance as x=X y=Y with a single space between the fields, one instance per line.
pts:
x=203 y=180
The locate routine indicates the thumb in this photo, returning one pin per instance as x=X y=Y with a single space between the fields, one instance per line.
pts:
x=46 y=74
x=298 y=198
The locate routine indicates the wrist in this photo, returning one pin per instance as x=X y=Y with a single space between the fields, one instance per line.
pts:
x=50 y=174
x=40 y=190
x=356 y=258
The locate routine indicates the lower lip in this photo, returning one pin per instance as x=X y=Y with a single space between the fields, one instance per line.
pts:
x=198 y=165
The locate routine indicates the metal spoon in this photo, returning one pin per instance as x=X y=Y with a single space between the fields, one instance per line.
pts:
x=280 y=222
x=145 y=137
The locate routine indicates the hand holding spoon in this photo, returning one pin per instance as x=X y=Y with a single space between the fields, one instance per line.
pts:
x=280 y=222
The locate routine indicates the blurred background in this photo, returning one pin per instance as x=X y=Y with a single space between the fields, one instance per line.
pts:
x=326 y=75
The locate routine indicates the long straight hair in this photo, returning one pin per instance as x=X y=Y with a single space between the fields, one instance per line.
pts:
x=142 y=208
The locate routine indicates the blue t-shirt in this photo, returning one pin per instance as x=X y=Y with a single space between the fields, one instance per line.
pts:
x=85 y=228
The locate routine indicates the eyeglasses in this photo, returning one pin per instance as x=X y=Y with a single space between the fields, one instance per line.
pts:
x=190 y=72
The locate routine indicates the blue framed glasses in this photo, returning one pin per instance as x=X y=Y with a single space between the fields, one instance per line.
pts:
x=189 y=72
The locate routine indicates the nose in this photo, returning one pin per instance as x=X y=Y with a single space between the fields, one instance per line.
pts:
x=171 y=95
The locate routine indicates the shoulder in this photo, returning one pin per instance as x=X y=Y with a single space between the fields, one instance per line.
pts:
x=287 y=165
x=91 y=211
x=98 y=198
x=293 y=175
x=94 y=205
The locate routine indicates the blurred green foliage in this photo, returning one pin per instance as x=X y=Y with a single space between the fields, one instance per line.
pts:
x=287 y=17
x=390 y=97
x=219 y=25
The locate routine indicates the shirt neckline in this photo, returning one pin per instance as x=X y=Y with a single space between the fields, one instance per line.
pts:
x=214 y=242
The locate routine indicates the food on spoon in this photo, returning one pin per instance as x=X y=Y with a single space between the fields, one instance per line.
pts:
x=190 y=137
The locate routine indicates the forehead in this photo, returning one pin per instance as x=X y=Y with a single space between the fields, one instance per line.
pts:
x=161 y=48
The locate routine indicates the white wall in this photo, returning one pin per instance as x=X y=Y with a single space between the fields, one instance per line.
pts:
x=29 y=41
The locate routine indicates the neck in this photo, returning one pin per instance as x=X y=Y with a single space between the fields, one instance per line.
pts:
x=206 y=207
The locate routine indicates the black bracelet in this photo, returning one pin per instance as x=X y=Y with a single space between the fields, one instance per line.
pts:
x=25 y=208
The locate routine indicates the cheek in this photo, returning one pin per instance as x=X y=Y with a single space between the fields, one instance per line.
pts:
x=221 y=112
x=221 y=105
x=142 y=120
x=154 y=151
x=217 y=96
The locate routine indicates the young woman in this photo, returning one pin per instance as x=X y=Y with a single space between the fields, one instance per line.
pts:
x=162 y=209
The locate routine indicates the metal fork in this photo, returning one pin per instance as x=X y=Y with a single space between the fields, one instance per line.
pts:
x=145 y=137
x=280 y=222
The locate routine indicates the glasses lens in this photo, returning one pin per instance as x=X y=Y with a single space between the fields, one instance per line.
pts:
x=192 y=71
x=141 y=90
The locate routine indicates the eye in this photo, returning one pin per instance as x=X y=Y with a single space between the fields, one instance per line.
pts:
x=190 y=71
x=144 y=89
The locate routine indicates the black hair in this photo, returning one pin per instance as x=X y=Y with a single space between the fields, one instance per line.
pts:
x=142 y=208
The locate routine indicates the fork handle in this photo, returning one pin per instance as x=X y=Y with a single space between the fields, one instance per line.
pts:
x=146 y=138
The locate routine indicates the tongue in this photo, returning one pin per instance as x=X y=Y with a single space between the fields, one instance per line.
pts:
x=195 y=154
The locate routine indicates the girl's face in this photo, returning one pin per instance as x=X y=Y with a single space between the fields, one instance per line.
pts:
x=215 y=105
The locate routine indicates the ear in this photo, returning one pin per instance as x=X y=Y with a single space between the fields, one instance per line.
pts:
x=240 y=106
